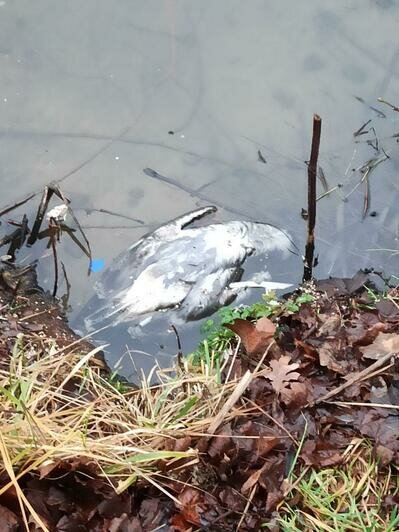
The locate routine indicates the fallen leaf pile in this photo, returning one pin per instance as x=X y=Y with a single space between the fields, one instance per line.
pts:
x=314 y=392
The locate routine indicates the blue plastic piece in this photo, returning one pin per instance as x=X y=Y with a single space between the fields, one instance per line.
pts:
x=96 y=265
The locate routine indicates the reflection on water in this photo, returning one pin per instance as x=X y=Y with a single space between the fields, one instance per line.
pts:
x=196 y=90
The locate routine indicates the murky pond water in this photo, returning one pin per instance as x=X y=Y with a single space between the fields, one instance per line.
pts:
x=198 y=91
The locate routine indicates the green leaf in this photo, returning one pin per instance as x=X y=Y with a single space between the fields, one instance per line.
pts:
x=12 y=398
x=291 y=307
x=304 y=298
x=185 y=409
x=124 y=484
x=207 y=326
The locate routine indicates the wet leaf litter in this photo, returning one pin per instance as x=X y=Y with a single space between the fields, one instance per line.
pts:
x=310 y=379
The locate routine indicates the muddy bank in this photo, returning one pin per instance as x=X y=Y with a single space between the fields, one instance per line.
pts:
x=26 y=309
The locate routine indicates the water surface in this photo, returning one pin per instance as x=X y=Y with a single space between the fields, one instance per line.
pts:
x=194 y=90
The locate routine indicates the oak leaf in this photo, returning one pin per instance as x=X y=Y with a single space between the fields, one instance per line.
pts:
x=281 y=373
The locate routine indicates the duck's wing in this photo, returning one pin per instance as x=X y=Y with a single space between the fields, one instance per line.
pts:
x=161 y=278
x=130 y=263
x=193 y=269
x=191 y=263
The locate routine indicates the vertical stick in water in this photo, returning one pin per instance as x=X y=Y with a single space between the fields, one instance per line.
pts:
x=312 y=174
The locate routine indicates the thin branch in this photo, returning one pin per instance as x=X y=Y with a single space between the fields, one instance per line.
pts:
x=15 y=205
x=106 y=211
x=357 y=377
x=393 y=107
x=53 y=243
x=41 y=211
x=312 y=176
x=361 y=131
x=179 y=348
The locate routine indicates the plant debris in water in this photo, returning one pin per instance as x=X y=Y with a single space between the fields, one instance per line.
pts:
x=288 y=423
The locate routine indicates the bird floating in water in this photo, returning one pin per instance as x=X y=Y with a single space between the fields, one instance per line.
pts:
x=194 y=271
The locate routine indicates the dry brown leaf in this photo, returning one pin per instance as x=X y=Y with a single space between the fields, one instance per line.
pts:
x=296 y=395
x=327 y=359
x=264 y=444
x=8 y=520
x=253 y=479
x=192 y=505
x=384 y=343
x=221 y=442
x=384 y=454
x=255 y=338
x=309 y=350
x=281 y=373
x=320 y=454
x=47 y=468
x=273 y=498
x=232 y=499
x=388 y=310
x=364 y=329
x=179 y=524
x=330 y=325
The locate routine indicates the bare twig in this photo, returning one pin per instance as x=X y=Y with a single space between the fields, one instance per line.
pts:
x=328 y=192
x=71 y=232
x=393 y=107
x=106 y=211
x=359 y=376
x=16 y=205
x=361 y=131
x=312 y=175
x=322 y=178
x=19 y=237
x=377 y=111
x=244 y=513
x=179 y=349
x=24 y=230
x=9 y=238
x=41 y=211
x=65 y=297
x=261 y=158
x=366 y=201
x=366 y=169
x=55 y=189
x=231 y=401
x=53 y=243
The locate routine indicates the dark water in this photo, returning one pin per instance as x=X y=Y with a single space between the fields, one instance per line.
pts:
x=227 y=78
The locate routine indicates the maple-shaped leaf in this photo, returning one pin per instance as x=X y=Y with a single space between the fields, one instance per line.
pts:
x=281 y=373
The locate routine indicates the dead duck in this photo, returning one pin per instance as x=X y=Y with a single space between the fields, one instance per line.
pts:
x=193 y=271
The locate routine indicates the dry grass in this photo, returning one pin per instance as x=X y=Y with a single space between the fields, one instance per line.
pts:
x=57 y=407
